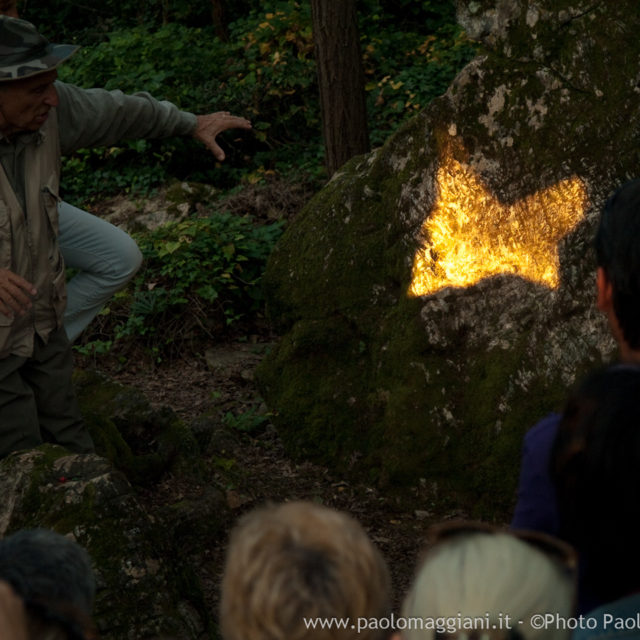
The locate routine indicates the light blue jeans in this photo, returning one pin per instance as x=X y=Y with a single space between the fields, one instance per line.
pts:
x=106 y=259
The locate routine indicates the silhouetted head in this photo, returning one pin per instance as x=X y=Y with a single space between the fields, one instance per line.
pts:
x=595 y=465
x=617 y=244
x=44 y=565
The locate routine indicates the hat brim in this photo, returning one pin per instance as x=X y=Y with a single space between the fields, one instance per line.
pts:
x=55 y=55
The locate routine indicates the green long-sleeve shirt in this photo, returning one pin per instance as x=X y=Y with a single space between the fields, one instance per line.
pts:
x=98 y=118
x=93 y=118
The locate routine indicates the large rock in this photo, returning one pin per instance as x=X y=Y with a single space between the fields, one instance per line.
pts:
x=141 y=594
x=437 y=296
x=146 y=552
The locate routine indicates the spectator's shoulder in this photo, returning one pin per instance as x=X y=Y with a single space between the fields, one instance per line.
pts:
x=611 y=621
x=536 y=504
x=543 y=432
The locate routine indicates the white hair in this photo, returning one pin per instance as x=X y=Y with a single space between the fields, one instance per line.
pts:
x=488 y=576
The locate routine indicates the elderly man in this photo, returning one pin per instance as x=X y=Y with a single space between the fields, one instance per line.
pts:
x=38 y=122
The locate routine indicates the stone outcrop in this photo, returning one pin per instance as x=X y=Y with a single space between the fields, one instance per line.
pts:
x=437 y=297
x=146 y=553
x=140 y=594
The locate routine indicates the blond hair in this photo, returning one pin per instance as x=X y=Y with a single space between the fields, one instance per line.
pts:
x=486 y=577
x=291 y=563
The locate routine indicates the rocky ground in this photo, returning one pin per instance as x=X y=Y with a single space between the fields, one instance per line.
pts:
x=220 y=383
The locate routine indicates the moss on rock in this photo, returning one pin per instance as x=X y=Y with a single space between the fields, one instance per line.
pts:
x=443 y=386
x=139 y=573
x=142 y=441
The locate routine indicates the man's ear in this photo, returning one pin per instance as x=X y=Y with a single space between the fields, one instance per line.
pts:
x=605 y=291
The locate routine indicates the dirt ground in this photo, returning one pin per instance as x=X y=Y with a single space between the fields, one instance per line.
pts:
x=220 y=383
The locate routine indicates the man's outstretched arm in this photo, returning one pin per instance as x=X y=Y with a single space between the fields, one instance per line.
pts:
x=96 y=117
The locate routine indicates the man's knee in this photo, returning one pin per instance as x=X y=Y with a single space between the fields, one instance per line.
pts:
x=95 y=246
x=129 y=259
x=131 y=255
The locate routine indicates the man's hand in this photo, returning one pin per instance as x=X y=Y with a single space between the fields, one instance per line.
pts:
x=15 y=293
x=13 y=623
x=209 y=126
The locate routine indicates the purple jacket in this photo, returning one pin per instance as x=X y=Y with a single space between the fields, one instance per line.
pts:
x=536 y=507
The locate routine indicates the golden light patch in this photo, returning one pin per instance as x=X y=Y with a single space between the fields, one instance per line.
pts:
x=471 y=235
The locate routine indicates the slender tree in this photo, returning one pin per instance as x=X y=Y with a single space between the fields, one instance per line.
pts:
x=340 y=80
x=217 y=15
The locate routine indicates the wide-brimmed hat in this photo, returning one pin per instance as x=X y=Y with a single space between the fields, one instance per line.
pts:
x=24 y=52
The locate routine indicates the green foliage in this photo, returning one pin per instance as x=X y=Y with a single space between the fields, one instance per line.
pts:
x=172 y=62
x=201 y=276
x=266 y=73
x=135 y=168
x=95 y=348
x=276 y=73
x=89 y=21
x=406 y=69
x=409 y=16
x=251 y=421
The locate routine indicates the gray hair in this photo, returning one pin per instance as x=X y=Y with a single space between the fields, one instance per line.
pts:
x=44 y=565
x=485 y=577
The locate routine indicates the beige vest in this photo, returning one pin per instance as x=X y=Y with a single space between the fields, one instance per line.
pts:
x=29 y=243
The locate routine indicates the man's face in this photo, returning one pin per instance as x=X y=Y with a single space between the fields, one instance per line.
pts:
x=9 y=8
x=25 y=104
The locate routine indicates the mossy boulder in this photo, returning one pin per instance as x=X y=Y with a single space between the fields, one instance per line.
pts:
x=380 y=371
x=145 y=587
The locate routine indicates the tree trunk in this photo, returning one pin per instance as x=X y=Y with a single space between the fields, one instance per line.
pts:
x=217 y=16
x=340 y=80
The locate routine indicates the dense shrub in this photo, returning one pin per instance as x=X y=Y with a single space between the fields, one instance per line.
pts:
x=266 y=73
x=406 y=70
x=89 y=21
x=201 y=278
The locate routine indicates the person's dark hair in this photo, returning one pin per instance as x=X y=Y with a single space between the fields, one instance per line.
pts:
x=595 y=465
x=45 y=566
x=617 y=245
x=57 y=621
